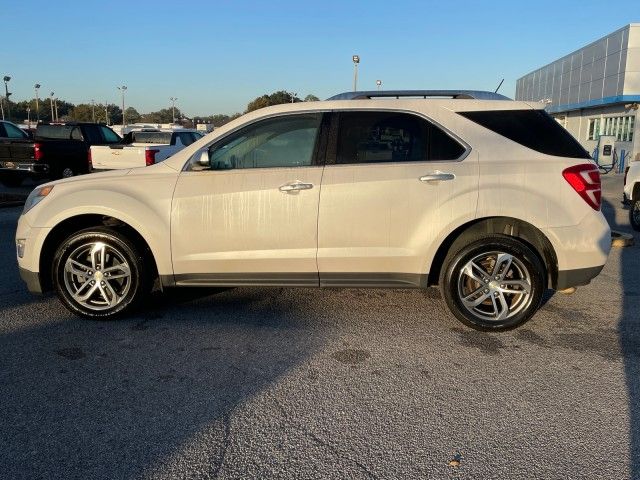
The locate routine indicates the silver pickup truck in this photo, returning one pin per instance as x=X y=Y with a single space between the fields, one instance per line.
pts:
x=142 y=148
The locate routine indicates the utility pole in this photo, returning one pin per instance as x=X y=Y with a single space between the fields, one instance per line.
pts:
x=123 y=89
x=356 y=61
x=36 y=88
x=51 y=101
x=7 y=94
x=173 y=108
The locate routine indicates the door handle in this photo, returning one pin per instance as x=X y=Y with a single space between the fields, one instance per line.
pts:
x=437 y=176
x=295 y=186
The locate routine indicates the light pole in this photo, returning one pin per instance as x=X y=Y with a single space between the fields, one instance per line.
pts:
x=293 y=97
x=93 y=110
x=29 y=116
x=379 y=84
x=7 y=94
x=51 y=101
x=106 y=112
x=2 y=106
x=55 y=104
x=123 y=89
x=173 y=108
x=36 y=88
x=356 y=61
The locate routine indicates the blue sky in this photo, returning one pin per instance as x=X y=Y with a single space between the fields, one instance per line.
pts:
x=216 y=56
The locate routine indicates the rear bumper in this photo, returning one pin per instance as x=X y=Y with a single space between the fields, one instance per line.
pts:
x=32 y=279
x=23 y=168
x=577 y=277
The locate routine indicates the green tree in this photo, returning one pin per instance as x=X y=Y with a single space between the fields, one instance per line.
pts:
x=164 y=115
x=132 y=115
x=311 y=98
x=83 y=112
x=276 y=98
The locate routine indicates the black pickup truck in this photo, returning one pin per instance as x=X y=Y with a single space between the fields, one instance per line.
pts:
x=55 y=151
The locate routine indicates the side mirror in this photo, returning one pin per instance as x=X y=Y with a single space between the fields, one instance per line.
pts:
x=203 y=160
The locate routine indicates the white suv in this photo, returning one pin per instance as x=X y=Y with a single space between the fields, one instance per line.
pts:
x=490 y=198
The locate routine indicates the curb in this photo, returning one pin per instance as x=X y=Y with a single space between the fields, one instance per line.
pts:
x=620 y=239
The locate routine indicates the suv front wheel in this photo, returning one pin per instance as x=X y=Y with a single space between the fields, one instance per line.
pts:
x=99 y=273
x=494 y=283
x=634 y=214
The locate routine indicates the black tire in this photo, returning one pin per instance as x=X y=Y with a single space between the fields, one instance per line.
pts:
x=67 y=171
x=120 y=254
x=525 y=267
x=11 y=181
x=634 y=214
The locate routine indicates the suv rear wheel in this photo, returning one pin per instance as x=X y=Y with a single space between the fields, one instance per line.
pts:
x=99 y=273
x=494 y=283
x=634 y=214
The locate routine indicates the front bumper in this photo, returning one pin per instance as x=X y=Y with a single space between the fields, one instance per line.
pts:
x=32 y=279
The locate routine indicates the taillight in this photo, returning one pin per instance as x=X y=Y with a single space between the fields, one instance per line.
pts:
x=585 y=179
x=150 y=156
x=89 y=160
x=37 y=151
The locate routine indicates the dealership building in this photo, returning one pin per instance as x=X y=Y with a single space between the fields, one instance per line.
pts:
x=594 y=92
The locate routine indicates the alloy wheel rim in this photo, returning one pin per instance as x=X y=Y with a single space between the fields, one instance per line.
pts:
x=67 y=172
x=636 y=212
x=97 y=276
x=494 y=286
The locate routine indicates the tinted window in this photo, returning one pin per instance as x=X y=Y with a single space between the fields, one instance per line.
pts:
x=535 y=129
x=92 y=134
x=109 y=135
x=162 y=138
x=14 y=132
x=58 y=132
x=369 y=137
x=185 y=138
x=279 y=142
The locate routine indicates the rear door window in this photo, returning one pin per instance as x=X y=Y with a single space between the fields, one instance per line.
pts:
x=14 y=132
x=534 y=129
x=374 y=137
x=92 y=134
x=109 y=135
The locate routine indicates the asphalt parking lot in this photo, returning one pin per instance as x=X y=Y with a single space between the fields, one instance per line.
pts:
x=303 y=383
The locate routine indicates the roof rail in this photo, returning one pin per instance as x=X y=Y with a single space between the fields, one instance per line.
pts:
x=465 y=94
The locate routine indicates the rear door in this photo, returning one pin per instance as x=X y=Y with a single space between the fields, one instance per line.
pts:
x=15 y=145
x=393 y=180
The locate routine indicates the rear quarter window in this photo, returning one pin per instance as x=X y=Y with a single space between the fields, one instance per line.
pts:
x=534 y=129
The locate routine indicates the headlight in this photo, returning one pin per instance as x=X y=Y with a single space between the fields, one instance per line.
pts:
x=36 y=196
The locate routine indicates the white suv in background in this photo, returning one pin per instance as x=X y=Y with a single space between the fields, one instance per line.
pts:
x=490 y=198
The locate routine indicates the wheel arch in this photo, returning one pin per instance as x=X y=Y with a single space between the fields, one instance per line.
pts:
x=635 y=193
x=513 y=227
x=79 y=222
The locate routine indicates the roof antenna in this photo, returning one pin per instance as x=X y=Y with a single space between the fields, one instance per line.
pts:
x=499 y=85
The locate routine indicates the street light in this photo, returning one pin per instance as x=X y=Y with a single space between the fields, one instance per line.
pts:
x=123 y=89
x=379 y=84
x=36 y=88
x=356 y=61
x=29 y=117
x=51 y=101
x=173 y=108
x=7 y=94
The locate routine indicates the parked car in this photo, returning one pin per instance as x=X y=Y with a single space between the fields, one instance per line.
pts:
x=141 y=148
x=632 y=193
x=489 y=198
x=55 y=151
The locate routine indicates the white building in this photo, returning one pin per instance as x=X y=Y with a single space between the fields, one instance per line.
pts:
x=594 y=91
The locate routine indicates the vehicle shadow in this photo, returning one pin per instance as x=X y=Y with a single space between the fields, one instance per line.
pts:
x=629 y=329
x=87 y=399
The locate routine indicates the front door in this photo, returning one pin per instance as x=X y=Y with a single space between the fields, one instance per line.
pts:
x=250 y=217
